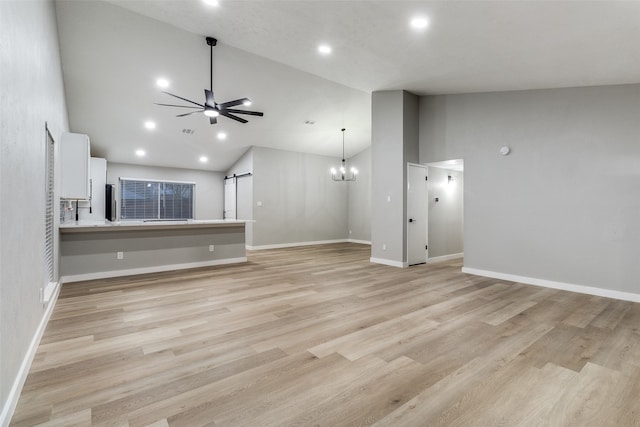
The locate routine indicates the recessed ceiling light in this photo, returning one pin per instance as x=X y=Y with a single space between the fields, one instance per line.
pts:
x=222 y=135
x=419 y=23
x=140 y=153
x=203 y=159
x=212 y=2
x=324 y=49
x=150 y=125
x=162 y=82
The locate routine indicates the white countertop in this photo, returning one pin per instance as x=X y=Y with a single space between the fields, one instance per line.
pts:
x=91 y=226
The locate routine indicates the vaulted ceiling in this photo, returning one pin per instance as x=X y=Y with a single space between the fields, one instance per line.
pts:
x=113 y=52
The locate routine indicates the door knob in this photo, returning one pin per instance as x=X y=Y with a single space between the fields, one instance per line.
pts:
x=411 y=220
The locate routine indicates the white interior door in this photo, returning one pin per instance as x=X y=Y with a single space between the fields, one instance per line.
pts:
x=416 y=214
x=230 y=198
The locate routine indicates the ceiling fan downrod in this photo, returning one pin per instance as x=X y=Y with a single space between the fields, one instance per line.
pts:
x=211 y=42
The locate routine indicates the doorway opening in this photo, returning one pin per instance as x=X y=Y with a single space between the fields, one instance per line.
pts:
x=445 y=207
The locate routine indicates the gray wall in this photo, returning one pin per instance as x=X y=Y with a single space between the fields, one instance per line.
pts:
x=394 y=142
x=359 y=195
x=243 y=165
x=31 y=71
x=95 y=252
x=209 y=185
x=300 y=202
x=564 y=205
x=446 y=215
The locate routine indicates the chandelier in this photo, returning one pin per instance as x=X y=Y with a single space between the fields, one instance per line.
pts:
x=340 y=174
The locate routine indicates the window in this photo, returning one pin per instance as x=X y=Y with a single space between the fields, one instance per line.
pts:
x=156 y=200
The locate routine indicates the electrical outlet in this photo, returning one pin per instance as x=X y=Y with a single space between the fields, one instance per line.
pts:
x=384 y=246
x=211 y=247
x=350 y=232
x=119 y=255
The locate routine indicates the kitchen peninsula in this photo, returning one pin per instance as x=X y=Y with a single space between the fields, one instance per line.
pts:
x=100 y=249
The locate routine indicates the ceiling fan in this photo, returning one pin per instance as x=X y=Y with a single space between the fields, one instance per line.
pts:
x=210 y=108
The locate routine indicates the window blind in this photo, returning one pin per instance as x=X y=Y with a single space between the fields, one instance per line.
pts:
x=144 y=199
x=49 y=208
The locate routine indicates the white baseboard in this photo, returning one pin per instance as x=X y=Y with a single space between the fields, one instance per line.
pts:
x=626 y=296
x=388 y=262
x=9 y=406
x=362 y=242
x=291 y=245
x=145 y=270
x=445 y=257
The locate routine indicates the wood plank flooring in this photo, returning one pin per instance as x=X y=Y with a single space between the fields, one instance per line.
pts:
x=318 y=336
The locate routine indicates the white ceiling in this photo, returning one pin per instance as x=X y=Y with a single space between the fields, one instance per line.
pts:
x=267 y=51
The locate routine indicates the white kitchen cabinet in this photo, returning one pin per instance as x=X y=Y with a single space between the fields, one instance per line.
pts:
x=75 y=166
x=93 y=209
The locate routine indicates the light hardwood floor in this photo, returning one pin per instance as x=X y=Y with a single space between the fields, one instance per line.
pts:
x=318 y=336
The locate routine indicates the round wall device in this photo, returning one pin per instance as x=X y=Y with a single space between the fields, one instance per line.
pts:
x=504 y=150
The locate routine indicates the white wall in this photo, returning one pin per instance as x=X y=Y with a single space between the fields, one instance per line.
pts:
x=359 y=195
x=564 y=205
x=445 y=215
x=300 y=202
x=31 y=93
x=209 y=185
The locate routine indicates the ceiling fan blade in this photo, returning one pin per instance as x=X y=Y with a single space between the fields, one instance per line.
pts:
x=209 y=98
x=184 y=99
x=233 y=103
x=190 y=112
x=231 y=116
x=251 y=113
x=213 y=120
x=173 y=105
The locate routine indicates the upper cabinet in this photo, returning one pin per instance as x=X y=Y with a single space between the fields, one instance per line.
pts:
x=75 y=166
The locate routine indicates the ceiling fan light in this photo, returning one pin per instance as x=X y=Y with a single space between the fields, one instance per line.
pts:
x=210 y=112
x=246 y=102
